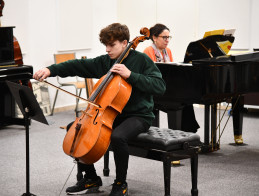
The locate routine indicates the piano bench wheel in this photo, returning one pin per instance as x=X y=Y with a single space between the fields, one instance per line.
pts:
x=238 y=139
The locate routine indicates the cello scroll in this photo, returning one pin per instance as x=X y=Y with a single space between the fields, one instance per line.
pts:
x=143 y=31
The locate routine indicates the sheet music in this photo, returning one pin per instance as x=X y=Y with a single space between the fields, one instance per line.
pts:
x=229 y=32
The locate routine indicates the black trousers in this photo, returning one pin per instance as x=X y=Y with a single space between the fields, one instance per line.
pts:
x=123 y=131
x=188 y=120
x=183 y=119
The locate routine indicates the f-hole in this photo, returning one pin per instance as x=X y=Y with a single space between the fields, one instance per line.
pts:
x=95 y=123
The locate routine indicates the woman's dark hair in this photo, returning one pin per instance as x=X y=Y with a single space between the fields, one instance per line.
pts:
x=156 y=30
x=114 y=32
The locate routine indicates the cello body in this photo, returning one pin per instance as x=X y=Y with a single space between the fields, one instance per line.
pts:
x=89 y=146
x=17 y=52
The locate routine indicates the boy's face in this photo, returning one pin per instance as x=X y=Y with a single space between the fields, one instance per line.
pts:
x=115 y=49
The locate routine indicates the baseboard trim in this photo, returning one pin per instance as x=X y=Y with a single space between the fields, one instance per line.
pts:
x=69 y=107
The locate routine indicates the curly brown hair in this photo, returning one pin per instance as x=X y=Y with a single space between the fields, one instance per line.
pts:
x=114 y=32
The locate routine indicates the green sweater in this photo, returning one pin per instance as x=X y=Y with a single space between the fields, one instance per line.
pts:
x=145 y=79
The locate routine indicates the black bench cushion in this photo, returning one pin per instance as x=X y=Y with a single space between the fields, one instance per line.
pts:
x=165 y=139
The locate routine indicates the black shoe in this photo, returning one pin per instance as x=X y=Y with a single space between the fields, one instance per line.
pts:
x=119 y=189
x=85 y=185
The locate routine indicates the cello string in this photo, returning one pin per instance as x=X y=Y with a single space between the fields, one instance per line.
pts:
x=110 y=75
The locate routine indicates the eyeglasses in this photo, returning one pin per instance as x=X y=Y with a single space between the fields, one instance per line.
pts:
x=166 y=37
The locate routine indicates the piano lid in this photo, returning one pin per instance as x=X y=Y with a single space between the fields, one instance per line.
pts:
x=237 y=58
x=207 y=47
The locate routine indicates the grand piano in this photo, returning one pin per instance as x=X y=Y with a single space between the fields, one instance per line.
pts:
x=209 y=79
x=12 y=70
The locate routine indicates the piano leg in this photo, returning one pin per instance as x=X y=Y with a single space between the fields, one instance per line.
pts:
x=237 y=113
x=7 y=108
x=189 y=123
x=207 y=125
x=183 y=119
x=157 y=117
x=174 y=119
x=214 y=144
x=210 y=125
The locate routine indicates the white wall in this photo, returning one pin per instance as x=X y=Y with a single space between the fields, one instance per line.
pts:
x=254 y=17
x=68 y=24
x=181 y=17
x=226 y=14
x=137 y=14
x=37 y=32
x=188 y=20
x=15 y=13
x=37 y=27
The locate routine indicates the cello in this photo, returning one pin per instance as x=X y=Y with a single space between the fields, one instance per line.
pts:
x=88 y=138
x=17 y=52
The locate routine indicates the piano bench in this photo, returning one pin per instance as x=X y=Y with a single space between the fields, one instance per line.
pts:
x=165 y=145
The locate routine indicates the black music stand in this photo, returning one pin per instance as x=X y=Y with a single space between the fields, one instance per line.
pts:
x=201 y=48
x=30 y=108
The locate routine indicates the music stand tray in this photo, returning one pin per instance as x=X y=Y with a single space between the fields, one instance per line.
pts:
x=30 y=108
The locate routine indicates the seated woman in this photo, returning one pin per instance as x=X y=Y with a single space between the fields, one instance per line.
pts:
x=159 y=52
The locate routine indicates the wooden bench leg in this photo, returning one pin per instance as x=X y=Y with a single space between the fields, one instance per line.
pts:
x=106 y=170
x=167 y=175
x=194 y=171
